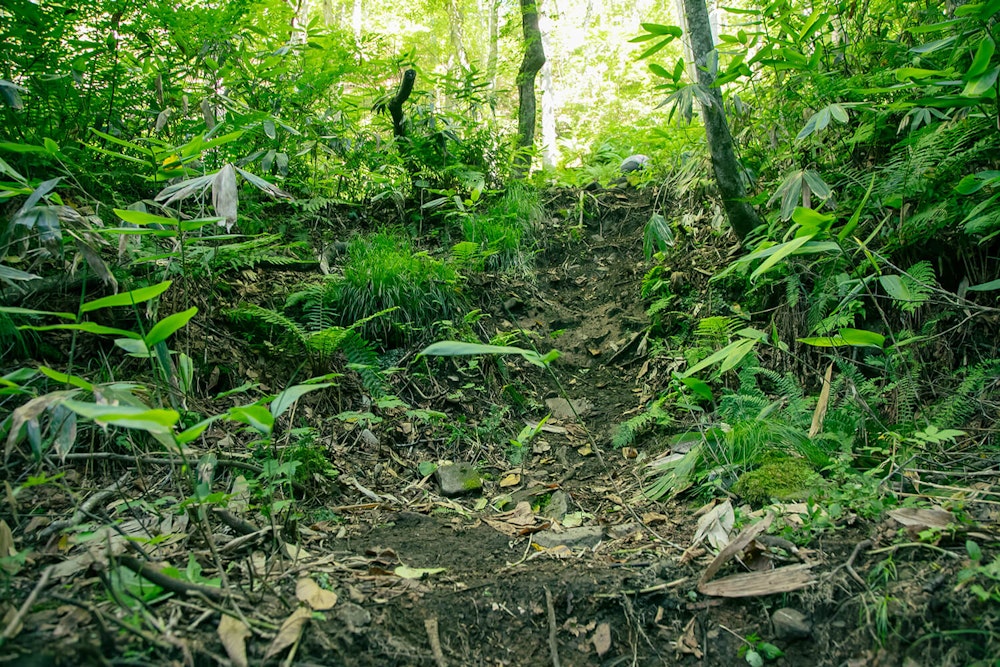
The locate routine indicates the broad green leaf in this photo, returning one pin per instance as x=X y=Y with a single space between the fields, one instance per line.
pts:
x=151 y=420
x=730 y=356
x=657 y=29
x=10 y=273
x=134 y=347
x=15 y=310
x=698 y=388
x=985 y=287
x=656 y=47
x=847 y=338
x=781 y=251
x=737 y=354
x=127 y=298
x=189 y=434
x=21 y=148
x=255 y=416
x=65 y=378
x=936 y=45
x=853 y=222
x=454 y=348
x=143 y=218
x=896 y=288
x=807 y=217
x=285 y=399
x=86 y=327
x=978 y=86
x=163 y=329
x=906 y=73
x=981 y=61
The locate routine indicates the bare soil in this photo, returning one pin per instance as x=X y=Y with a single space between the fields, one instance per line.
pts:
x=491 y=595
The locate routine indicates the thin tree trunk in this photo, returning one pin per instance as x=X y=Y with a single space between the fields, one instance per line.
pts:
x=742 y=216
x=534 y=58
x=455 y=21
x=493 y=58
x=357 y=21
x=550 y=100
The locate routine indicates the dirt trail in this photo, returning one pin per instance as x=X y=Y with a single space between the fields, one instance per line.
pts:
x=422 y=579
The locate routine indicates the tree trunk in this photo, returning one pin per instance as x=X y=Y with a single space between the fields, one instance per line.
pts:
x=493 y=57
x=550 y=101
x=534 y=58
x=455 y=24
x=728 y=177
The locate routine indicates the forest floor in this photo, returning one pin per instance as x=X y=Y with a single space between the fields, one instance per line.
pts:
x=558 y=560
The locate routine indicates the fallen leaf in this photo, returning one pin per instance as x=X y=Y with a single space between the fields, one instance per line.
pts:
x=233 y=632
x=6 y=541
x=512 y=479
x=407 y=572
x=923 y=518
x=716 y=526
x=688 y=642
x=602 y=639
x=318 y=599
x=295 y=552
x=290 y=632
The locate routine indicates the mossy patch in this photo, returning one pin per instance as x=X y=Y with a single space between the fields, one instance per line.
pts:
x=784 y=479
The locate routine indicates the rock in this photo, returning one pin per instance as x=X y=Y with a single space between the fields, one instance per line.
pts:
x=632 y=163
x=790 y=624
x=624 y=530
x=456 y=479
x=354 y=617
x=562 y=409
x=583 y=537
x=557 y=507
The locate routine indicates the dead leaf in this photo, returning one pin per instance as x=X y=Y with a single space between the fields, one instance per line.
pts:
x=290 y=632
x=602 y=639
x=923 y=518
x=407 y=572
x=318 y=599
x=295 y=552
x=755 y=584
x=6 y=541
x=233 y=632
x=512 y=479
x=688 y=642
x=821 y=404
x=716 y=526
x=746 y=536
x=225 y=196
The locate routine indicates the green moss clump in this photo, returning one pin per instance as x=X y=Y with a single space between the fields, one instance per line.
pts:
x=784 y=479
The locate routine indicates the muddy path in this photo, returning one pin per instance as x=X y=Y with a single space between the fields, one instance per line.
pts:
x=556 y=560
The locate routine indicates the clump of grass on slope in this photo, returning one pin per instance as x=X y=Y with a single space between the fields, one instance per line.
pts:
x=504 y=232
x=384 y=271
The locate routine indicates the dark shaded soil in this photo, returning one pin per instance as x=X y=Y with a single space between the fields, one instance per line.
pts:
x=500 y=598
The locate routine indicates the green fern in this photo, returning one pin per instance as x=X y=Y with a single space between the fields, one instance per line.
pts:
x=977 y=388
x=717 y=331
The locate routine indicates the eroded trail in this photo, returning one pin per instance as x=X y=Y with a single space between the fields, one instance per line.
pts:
x=557 y=560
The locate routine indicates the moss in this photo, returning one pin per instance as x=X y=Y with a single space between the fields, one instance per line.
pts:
x=784 y=479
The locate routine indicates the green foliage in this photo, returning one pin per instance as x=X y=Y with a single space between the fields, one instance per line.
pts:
x=383 y=273
x=321 y=344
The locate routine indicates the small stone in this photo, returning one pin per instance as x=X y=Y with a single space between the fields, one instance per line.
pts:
x=583 y=537
x=790 y=624
x=557 y=507
x=624 y=530
x=354 y=617
x=562 y=409
x=456 y=479
x=632 y=163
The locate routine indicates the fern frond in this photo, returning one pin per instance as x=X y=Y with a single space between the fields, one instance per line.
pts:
x=288 y=328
